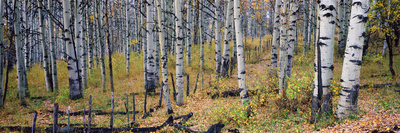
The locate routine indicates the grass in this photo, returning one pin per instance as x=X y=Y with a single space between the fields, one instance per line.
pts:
x=270 y=113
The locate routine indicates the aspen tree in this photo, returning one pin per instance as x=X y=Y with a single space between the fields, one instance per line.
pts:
x=244 y=96
x=179 y=52
x=217 y=37
x=22 y=83
x=227 y=39
x=73 y=71
x=347 y=103
x=324 y=58
x=46 y=60
x=283 y=48
x=276 y=37
x=164 y=54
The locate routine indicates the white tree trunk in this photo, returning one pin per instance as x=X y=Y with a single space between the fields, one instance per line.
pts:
x=311 y=23
x=306 y=26
x=385 y=46
x=22 y=83
x=227 y=39
x=127 y=44
x=327 y=15
x=201 y=14
x=218 y=37
x=26 y=40
x=164 y=54
x=340 y=27
x=150 y=78
x=189 y=33
x=244 y=96
x=179 y=51
x=350 y=79
x=83 y=46
x=46 y=60
x=292 y=43
x=74 y=83
x=276 y=37
x=53 y=58
x=283 y=48
x=100 y=28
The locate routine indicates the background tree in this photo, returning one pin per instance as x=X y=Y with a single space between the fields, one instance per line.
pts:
x=227 y=38
x=46 y=60
x=21 y=73
x=218 y=56
x=387 y=23
x=276 y=37
x=164 y=54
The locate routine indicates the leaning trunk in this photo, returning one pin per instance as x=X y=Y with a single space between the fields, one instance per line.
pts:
x=350 y=79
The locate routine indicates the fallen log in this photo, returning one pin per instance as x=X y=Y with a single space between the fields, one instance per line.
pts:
x=216 y=128
x=115 y=113
x=380 y=85
x=143 y=93
x=169 y=121
x=184 y=117
x=234 y=130
x=72 y=125
x=228 y=93
x=186 y=129
x=74 y=113
x=17 y=128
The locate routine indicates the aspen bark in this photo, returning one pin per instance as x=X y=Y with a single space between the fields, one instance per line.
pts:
x=150 y=78
x=283 y=48
x=292 y=38
x=22 y=83
x=164 y=54
x=46 y=60
x=244 y=96
x=276 y=37
x=306 y=26
x=327 y=15
x=189 y=33
x=100 y=28
x=83 y=45
x=340 y=27
x=127 y=44
x=227 y=39
x=218 y=37
x=53 y=58
x=73 y=71
x=350 y=79
x=179 y=52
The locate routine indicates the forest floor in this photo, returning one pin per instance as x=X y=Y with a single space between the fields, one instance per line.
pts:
x=379 y=108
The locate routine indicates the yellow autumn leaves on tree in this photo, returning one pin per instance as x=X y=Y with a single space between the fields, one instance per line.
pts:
x=385 y=17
